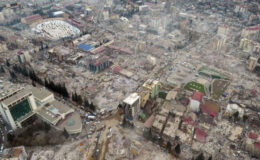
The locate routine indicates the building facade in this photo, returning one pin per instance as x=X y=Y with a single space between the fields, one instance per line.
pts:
x=17 y=107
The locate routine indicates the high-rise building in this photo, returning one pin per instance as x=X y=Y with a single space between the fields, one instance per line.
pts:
x=17 y=107
x=132 y=105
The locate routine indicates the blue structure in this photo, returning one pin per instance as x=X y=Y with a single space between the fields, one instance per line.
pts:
x=85 y=47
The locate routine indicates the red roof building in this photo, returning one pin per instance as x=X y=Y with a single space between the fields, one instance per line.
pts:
x=120 y=49
x=257 y=145
x=252 y=135
x=197 y=96
x=31 y=19
x=200 y=135
x=189 y=121
x=97 y=50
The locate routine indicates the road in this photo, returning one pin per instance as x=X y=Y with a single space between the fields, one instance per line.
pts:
x=3 y=134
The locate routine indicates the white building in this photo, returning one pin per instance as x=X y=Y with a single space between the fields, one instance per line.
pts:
x=251 y=32
x=233 y=108
x=17 y=107
x=132 y=105
x=24 y=103
x=249 y=45
x=195 y=101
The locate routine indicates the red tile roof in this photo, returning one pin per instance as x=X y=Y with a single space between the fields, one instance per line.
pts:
x=252 y=135
x=200 y=135
x=99 y=61
x=120 y=49
x=257 y=144
x=197 y=96
x=116 y=69
x=189 y=121
x=33 y=18
x=97 y=50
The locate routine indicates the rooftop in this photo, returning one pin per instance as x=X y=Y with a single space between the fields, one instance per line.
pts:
x=130 y=100
x=200 y=135
x=13 y=152
x=72 y=123
x=210 y=108
x=54 y=111
x=40 y=93
x=85 y=47
x=159 y=121
x=33 y=17
x=171 y=127
x=197 y=96
x=17 y=96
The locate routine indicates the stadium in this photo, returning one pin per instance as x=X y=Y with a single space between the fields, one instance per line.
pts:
x=55 y=29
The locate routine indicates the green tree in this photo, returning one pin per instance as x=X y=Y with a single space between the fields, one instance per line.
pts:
x=169 y=146
x=65 y=133
x=177 y=149
x=200 y=157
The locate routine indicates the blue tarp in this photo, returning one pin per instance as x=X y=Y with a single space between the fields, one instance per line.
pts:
x=85 y=47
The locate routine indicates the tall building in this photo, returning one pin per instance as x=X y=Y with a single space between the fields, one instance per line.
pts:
x=196 y=101
x=99 y=64
x=20 y=105
x=132 y=105
x=252 y=62
x=17 y=107
x=249 y=45
x=251 y=32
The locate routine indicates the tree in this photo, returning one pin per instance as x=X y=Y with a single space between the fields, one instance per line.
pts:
x=7 y=63
x=13 y=75
x=200 y=157
x=92 y=107
x=79 y=101
x=235 y=115
x=177 y=149
x=169 y=146
x=65 y=133
x=47 y=127
x=10 y=137
x=124 y=123
x=86 y=103
x=2 y=69
x=245 y=118
x=33 y=83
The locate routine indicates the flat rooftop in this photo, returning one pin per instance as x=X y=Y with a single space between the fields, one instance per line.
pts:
x=131 y=99
x=54 y=112
x=40 y=93
x=17 y=96
x=72 y=123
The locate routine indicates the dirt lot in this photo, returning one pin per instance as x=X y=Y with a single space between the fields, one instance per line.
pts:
x=218 y=87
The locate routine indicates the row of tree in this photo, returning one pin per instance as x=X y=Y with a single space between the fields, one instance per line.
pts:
x=58 y=88
x=79 y=100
